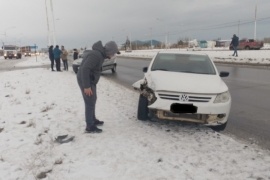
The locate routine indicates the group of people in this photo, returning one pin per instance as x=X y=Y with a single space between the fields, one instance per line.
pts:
x=55 y=54
x=87 y=76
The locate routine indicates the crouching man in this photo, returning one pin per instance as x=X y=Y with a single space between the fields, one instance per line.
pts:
x=88 y=77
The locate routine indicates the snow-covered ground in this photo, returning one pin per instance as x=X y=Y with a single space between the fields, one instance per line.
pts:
x=248 y=57
x=37 y=106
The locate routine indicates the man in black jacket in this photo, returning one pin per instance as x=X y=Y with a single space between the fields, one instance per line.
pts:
x=88 y=77
x=51 y=57
x=234 y=44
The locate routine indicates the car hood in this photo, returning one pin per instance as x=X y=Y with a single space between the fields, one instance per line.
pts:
x=77 y=61
x=185 y=82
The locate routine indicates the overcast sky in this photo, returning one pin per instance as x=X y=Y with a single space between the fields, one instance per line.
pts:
x=80 y=23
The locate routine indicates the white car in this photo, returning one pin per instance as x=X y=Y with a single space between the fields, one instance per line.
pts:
x=184 y=86
x=108 y=64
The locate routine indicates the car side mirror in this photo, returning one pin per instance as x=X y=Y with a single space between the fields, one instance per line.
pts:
x=224 y=74
x=145 y=69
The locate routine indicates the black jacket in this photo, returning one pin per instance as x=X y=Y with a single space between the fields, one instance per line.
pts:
x=75 y=55
x=235 y=41
x=51 y=53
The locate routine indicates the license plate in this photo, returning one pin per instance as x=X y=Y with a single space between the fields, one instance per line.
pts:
x=183 y=108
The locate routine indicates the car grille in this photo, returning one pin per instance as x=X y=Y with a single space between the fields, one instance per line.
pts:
x=185 y=97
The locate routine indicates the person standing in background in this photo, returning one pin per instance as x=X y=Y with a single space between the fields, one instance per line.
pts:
x=75 y=54
x=234 y=44
x=64 y=55
x=51 y=56
x=57 y=53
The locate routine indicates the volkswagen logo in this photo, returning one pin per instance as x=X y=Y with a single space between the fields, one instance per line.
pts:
x=183 y=97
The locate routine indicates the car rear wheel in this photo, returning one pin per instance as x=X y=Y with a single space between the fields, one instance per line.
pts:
x=219 y=127
x=75 y=69
x=142 y=113
x=247 y=48
x=114 y=68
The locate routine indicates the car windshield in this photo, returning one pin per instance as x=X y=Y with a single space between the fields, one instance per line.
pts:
x=187 y=63
x=9 y=48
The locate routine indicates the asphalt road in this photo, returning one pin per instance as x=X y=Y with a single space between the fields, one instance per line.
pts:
x=250 y=90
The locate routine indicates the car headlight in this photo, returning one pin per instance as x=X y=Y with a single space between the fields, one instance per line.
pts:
x=223 y=97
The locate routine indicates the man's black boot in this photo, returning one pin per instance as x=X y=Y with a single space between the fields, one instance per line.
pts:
x=93 y=129
x=98 y=122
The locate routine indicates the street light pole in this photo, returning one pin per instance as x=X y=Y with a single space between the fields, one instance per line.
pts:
x=151 y=38
x=54 y=39
x=166 y=33
x=5 y=34
x=255 y=22
x=48 y=25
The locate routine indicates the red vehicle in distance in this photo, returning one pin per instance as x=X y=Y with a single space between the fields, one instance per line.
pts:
x=247 y=44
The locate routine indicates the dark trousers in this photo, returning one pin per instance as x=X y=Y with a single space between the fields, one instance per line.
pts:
x=52 y=63
x=57 y=61
x=65 y=62
x=235 y=50
x=90 y=105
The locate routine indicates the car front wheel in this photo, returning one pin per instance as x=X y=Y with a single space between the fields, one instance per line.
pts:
x=114 y=68
x=142 y=113
x=75 y=69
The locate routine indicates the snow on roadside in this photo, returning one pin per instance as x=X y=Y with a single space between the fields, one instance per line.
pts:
x=247 y=57
x=33 y=61
x=38 y=105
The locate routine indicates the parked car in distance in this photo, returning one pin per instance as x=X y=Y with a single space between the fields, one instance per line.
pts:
x=248 y=44
x=108 y=64
x=27 y=54
x=184 y=86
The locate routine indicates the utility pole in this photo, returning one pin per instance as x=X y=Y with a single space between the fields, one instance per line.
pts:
x=151 y=38
x=54 y=39
x=255 y=23
x=238 y=28
x=48 y=25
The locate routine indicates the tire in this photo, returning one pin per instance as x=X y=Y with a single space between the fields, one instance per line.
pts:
x=219 y=127
x=247 y=48
x=142 y=113
x=114 y=69
x=75 y=69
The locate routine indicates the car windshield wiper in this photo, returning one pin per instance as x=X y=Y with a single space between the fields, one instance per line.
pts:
x=194 y=72
x=159 y=70
x=187 y=71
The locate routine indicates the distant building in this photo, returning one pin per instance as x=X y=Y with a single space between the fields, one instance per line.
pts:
x=44 y=50
x=202 y=44
x=223 y=43
x=25 y=49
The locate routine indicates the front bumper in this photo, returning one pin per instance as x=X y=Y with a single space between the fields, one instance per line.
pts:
x=208 y=113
